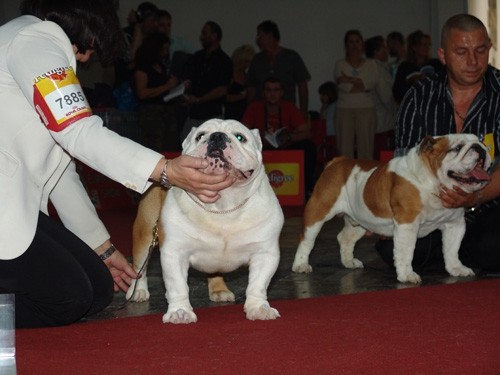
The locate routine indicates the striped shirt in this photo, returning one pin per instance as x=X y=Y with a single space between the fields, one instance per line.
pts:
x=427 y=109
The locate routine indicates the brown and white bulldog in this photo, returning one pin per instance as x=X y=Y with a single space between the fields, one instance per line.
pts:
x=241 y=228
x=398 y=199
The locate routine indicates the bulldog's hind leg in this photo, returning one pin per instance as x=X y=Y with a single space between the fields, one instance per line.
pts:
x=148 y=212
x=301 y=261
x=347 y=237
x=218 y=290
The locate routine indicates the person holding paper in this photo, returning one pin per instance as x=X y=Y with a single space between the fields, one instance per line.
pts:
x=282 y=126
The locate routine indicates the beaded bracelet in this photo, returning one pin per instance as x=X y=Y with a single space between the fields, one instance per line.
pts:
x=164 y=178
x=108 y=252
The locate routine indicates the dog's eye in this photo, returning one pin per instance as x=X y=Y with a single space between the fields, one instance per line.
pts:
x=199 y=136
x=456 y=149
x=240 y=137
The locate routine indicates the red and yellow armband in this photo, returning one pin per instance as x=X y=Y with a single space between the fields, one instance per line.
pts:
x=59 y=99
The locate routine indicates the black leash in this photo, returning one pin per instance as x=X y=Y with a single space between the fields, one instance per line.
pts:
x=152 y=246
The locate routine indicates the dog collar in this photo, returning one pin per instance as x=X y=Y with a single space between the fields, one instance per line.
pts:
x=215 y=211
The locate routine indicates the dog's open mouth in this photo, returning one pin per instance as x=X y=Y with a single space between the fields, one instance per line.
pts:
x=475 y=176
x=219 y=164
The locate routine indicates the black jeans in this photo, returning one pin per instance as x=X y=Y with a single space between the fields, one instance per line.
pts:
x=58 y=280
x=480 y=246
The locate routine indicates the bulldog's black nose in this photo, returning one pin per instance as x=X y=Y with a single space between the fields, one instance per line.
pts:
x=216 y=142
x=480 y=150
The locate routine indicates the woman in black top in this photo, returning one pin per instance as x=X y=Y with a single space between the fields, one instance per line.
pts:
x=152 y=82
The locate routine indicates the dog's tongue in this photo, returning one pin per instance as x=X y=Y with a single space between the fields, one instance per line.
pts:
x=480 y=174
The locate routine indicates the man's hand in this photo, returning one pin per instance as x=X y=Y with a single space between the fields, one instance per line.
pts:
x=456 y=197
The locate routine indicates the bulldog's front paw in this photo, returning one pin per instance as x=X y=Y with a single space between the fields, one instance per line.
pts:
x=222 y=296
x=461 y=271
x=137 y=292
x=353 y=263
x=179 y=316
x=302 y=268
x=411 y=277
x=261 y=312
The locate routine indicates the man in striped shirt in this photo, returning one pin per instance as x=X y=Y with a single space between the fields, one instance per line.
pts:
x=462 y=98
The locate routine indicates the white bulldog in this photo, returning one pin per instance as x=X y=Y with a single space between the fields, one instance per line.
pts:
x=398 y=199
x=241 y=228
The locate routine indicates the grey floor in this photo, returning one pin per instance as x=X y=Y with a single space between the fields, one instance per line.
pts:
x=329 y=277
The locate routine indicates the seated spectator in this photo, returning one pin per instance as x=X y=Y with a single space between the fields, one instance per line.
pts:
x=273 y=114
x=236 y=98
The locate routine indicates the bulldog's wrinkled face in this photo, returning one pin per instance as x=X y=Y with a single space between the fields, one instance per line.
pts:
x=458 y=159
x=228 y=145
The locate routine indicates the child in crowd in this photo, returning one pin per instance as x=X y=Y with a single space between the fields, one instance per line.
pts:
x=328 y=93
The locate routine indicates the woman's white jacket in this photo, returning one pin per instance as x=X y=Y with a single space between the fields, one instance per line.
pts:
x=36 y=163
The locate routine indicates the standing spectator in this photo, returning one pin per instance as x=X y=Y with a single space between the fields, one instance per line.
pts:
x=209 y=72
x=356 y=116
x=273 y=114
x=462 y=98
x=418 y=64
x=375 y=48
x=282 y=63
x=141 y=23
x=236 y=98
x=177 y=43
x=152 y=81
x=180 y=52
x=397 y=50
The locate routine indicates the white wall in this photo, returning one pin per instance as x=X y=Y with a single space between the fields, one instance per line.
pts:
x=314 y=28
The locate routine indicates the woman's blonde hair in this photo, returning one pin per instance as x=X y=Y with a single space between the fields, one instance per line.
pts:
x=243 y=53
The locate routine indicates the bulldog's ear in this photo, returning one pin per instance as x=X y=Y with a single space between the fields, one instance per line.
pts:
x=427 y=144
x=186 y=140
x=258 y=140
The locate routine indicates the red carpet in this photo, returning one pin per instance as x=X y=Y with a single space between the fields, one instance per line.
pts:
x=445 y=329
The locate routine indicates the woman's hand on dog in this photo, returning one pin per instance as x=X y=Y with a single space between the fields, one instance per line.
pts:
x=185 y=172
